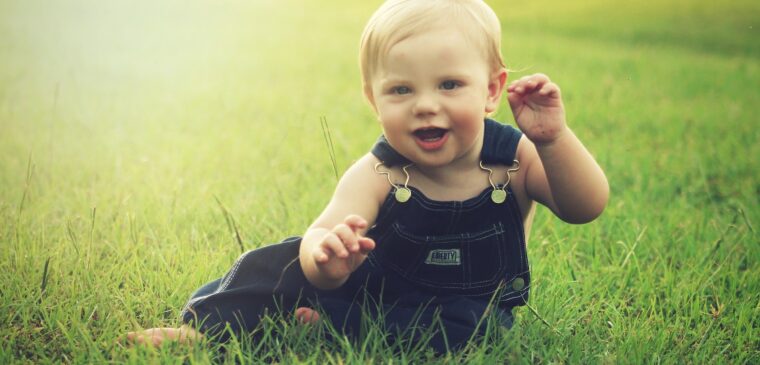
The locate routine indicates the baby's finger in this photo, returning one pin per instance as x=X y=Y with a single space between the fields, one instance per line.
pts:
x=536 y=83
x=515 y=101
x=513 y=86
x=523 y=86
x=539 y=78
x=366 y=245
x=531 y=85
x=347 y=236
x=517 y=82
x=320 y=255
x=528 y=83
x=550 y=89
x=355 y=222
x=332 y=243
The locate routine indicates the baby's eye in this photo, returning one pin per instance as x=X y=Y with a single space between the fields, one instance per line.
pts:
x=449 y=85
x=401 y=90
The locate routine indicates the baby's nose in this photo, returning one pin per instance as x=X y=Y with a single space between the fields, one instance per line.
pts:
x=426 y=104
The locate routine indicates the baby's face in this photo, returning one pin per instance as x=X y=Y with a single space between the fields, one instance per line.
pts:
x=431 y=93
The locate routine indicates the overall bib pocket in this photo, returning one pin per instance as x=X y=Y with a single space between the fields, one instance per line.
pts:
x=467 y=262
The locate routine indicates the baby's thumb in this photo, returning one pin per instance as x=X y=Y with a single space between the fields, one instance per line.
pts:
x=515 y=101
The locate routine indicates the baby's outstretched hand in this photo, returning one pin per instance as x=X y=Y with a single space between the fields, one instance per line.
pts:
x=342 y=249
x=537 y=106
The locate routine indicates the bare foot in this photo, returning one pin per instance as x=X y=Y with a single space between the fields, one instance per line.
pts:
x=184 y=335
x=306 y=315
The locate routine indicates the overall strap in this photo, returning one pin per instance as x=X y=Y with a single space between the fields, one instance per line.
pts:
x=499 y=143
x=499 y=146
x=385 y=153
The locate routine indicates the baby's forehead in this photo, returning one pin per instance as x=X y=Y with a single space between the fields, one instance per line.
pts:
x=398 y=20
x=439 y=45
x=439 y=28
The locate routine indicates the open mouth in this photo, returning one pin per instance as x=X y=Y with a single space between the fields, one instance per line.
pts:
x=431 y=138
x=430 y=134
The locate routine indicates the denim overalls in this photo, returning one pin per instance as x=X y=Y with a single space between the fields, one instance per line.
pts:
x=434 y=263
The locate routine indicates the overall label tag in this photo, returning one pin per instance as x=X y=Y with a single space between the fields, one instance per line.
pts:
x=444 y=257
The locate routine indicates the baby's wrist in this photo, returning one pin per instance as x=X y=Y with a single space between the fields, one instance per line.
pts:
x=548 y=142
x=327 y=282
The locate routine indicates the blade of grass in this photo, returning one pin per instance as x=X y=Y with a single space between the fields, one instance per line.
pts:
x=330 y=147
x=231 y=223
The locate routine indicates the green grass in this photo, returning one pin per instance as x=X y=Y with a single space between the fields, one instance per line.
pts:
x=121 y=124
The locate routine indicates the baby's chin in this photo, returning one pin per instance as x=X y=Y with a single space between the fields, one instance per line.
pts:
x=428 y=160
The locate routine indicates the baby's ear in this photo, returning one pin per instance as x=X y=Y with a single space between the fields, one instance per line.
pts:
x=495 y=88
x=370 y=97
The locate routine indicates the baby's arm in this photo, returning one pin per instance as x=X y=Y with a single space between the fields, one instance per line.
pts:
x=560 y=173
x=334 y=245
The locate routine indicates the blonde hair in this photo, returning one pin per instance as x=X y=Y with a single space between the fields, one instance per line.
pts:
x=397 y=20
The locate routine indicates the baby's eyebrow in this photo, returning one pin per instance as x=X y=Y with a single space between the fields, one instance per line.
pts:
x=456 y=76
x=392 y=81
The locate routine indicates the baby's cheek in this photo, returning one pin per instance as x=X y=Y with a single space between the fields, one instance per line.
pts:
x=467 y=116
x=391 y=118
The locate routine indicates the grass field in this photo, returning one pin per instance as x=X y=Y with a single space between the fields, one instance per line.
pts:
x=128 y=129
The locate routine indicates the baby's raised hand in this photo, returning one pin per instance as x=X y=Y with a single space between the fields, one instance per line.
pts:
x=537 y=106
x=342 y=249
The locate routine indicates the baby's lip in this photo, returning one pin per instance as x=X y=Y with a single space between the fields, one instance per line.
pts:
x=431 y=138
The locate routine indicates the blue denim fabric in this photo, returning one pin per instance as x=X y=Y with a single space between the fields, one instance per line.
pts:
x=435 y=263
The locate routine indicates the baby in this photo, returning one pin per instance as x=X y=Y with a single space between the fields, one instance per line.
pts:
x=430 y=225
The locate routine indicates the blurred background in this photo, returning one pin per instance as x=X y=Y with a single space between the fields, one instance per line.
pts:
x=215 y=89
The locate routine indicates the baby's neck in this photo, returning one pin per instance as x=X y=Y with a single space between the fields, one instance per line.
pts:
x=450 y=187
x=456 y=181
x=445 y=175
